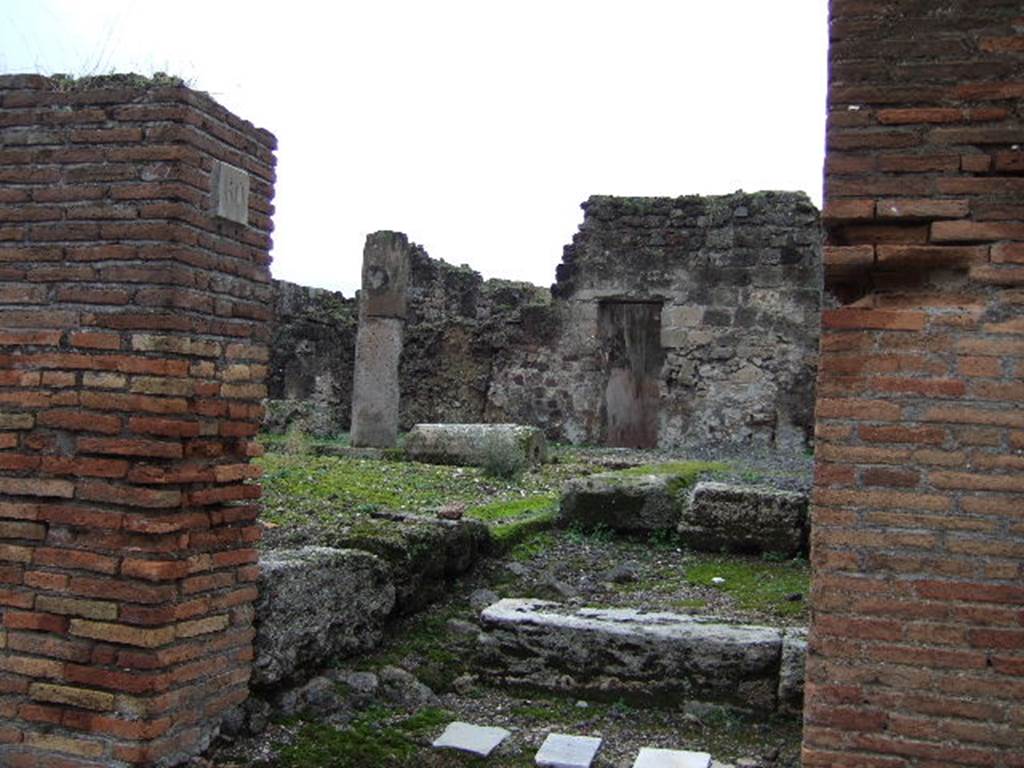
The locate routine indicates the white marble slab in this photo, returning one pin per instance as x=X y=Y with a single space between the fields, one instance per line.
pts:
x=560 y=750
x=476 y=739
x=671 y=758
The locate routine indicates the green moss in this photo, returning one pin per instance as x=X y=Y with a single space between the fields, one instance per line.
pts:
x=532 y=546
x=116 y=80
x=510 y=509
x=375 y=738
x=424 y=637
x=684 y=473
x=511 y=534
x=756 y=584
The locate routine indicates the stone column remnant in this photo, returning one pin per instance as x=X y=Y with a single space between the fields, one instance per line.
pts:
x=382 y=308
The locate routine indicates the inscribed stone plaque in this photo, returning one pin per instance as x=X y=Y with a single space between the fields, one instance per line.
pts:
x=560 y=750
x=476 y=739
x=671 y=758
x=230 y=192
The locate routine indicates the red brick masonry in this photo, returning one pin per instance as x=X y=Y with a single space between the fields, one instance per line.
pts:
x=132 y=361
x=917 y=643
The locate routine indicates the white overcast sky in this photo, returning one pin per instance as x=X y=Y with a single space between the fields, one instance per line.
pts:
x=475 y=126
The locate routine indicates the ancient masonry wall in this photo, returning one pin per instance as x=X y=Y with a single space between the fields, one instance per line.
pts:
x=132 y=359
x=456 y=322
x=917 y=643
x=735 y=282
x=312 y=354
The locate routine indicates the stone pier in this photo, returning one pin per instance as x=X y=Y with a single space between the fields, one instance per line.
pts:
x=382 y=308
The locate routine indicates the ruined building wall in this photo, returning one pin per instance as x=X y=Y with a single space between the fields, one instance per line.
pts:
x=916 y=651
x=132 y=356
x=457 y=324
x=456 y=321
x=721 y=297
x=312 y=354
x=732 y=287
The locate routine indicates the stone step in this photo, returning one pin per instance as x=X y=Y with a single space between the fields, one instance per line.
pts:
x=655 y=658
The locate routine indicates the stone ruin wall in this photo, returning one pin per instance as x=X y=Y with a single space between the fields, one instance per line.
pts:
x=456 y=323
x=734 y=283
x=132 y=359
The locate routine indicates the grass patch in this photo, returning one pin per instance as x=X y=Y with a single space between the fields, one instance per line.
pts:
x=530 y=547
x=375 y=737
x=300 y=488
x=756 y=585
x=506 y=509
x=508 y=535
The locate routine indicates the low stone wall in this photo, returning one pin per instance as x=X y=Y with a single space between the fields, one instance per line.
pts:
x=662 y=658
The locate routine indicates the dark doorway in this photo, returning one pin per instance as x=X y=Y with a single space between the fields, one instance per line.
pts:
x=630 y=332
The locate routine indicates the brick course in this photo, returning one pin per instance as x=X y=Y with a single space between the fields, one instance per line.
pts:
x=132 y=357
x=917 y=640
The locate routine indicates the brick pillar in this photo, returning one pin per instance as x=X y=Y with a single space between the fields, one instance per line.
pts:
x=917 y=641
x=132 y=347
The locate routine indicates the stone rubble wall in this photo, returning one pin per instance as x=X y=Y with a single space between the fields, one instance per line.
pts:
x=133 y=350
x=456 y=322
x=738 y=278
x=312 y=354
x=738 y=283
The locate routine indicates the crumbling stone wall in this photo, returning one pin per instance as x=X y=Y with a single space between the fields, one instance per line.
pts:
x=736 y=282
x=312 y=353
x=916 y=653
x=730 y=288
x=457 y=325
x=132 y=359
x=456 y=322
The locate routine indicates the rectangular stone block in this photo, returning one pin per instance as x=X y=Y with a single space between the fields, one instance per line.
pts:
x=671 y=758
x=475 y=739
x=230 y=192
x=385 y=276
x=643 y=657
x=375 y=392
x=561 y=750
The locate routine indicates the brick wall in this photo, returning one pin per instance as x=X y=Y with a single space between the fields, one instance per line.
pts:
x=917 y=643
x=132 y=351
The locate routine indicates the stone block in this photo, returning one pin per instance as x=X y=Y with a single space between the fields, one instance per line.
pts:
x=791 y=670
x=671 y=758
x=654 y=658
x=620 y=502
x=744 y=518
x=475 y=739
x=315 y=604
x=375 y=390
x=476 y=444
x=385 y=278
x=230 y=192
x=561 y=750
